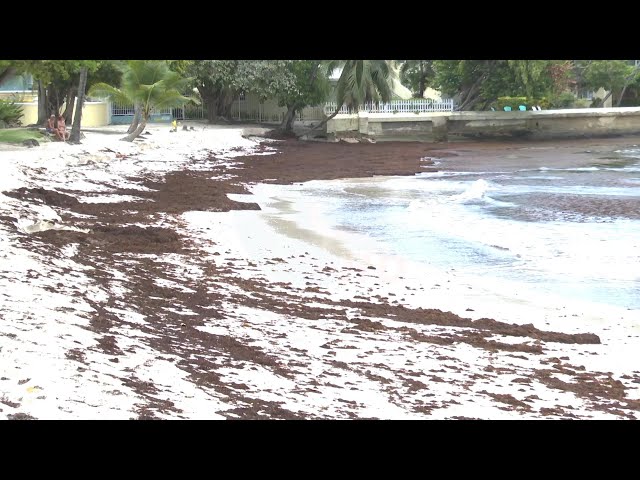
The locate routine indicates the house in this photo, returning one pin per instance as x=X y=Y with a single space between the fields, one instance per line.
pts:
x=18 y=87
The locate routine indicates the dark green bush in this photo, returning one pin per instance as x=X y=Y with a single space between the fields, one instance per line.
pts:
x=564 y=100
x=513 y=102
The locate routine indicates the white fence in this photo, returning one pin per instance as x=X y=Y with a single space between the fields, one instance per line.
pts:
x=119 y=110
x=251 y=109
x=397 y=106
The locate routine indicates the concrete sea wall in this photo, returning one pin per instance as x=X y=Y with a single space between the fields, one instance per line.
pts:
x=441 y=126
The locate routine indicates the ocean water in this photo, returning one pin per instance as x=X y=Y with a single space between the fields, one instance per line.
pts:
x=566 y=226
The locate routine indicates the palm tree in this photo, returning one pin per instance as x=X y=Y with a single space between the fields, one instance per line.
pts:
x=361 y=81
x=147 y=85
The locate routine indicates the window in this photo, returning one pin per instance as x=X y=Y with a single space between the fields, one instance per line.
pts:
x=17 y=83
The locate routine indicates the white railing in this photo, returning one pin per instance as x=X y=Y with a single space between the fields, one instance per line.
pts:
x=121 y=110
x=397 y=106
x=251 y=109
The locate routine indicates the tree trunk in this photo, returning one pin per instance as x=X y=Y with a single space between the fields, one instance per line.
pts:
x=139 y=129
x=226 y=110
x=472 y=95
x=212 y=109
x=324 y=122
x=54 y=95
x=488 y=102
x=624 y=89
x=209 y=100
x=77 y=118
x=289 y=117
x=51 y=101
x=314 y=73
x=421 y=84
x=137 y=110
x=225 y=104
x=606 y=97
x=219 y=107
x=69 y=103
x=43 y=101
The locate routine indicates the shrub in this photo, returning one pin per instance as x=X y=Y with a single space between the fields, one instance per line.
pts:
x=10 y=113
x=513 y=102
x=564 y=100
x=582 y=103
x=543 y=102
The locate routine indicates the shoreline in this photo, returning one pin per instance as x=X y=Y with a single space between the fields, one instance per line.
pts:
x=176 y=309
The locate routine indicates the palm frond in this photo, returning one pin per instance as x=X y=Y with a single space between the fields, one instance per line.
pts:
x=170 y=99
x=104 y=90
x=329 y=66
x=149 y=84
x=362 y=81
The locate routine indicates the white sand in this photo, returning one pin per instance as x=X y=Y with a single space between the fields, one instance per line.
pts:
x=39 y=327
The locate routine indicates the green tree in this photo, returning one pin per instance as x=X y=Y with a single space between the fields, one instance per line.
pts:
x=630 y=80
x=53 y=76
x=478 y=83
x=416 y=75
x=310 y=87
x=45 y=72
x=57 y=82
x=532 y=77
x=266 y=78
x=463 y=79
x=612 y=75
x=219 y=82
x=149 y=84
x=216 y=81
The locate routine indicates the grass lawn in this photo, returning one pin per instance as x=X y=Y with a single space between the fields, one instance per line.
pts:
x=17 y=135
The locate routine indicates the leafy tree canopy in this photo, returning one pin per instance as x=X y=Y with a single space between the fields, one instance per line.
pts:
x=610 y=74
x=479 y=82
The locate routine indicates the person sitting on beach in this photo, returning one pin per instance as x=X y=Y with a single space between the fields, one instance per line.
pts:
x=50 y=125
x=61 y=132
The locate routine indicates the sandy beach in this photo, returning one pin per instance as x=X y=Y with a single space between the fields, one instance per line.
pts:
x=163 y=279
